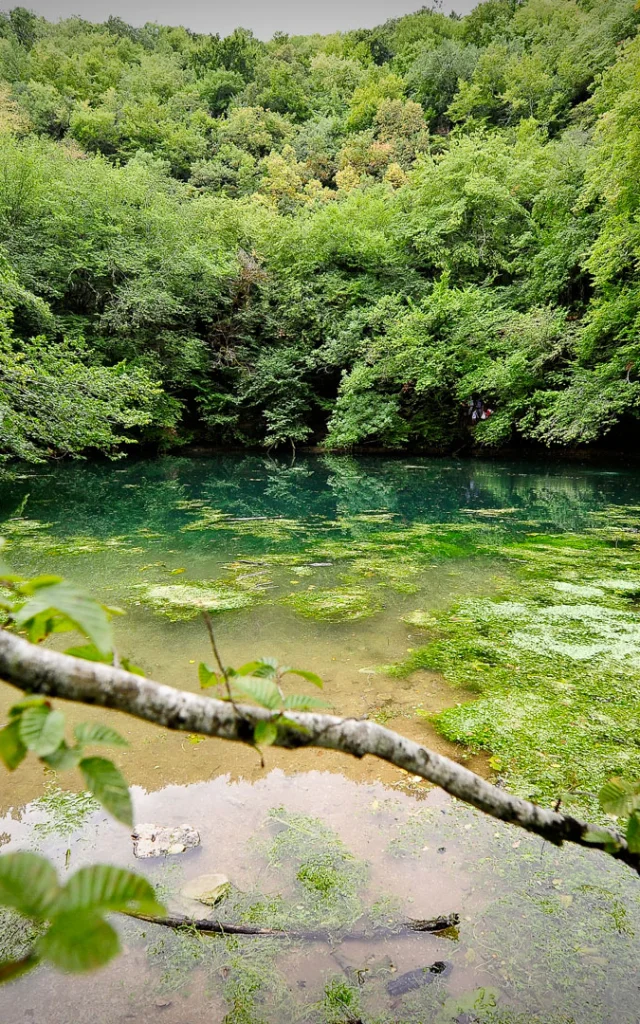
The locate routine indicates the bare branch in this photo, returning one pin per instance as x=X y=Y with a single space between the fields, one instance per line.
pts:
x=43 y=671
x=434 y=925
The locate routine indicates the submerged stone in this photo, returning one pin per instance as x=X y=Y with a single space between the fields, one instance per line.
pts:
x=163 y=840
x=207 y=889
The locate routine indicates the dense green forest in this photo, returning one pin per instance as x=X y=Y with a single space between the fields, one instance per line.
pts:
x=340 y=239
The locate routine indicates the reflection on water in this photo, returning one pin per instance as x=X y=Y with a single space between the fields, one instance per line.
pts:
x=546 y=932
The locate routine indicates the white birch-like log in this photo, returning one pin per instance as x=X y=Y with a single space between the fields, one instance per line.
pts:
x=41 y=671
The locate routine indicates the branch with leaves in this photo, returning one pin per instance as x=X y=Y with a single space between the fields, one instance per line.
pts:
x=73 y=932
x=50 y=674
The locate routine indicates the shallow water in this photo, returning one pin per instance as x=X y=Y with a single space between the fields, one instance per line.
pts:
x=538 y=931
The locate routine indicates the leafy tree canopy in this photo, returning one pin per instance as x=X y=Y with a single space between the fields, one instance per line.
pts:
x=346 y=239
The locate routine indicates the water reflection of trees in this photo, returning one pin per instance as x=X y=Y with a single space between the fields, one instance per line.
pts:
x=104 y=499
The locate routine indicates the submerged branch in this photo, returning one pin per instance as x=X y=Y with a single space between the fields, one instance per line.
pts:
x=38 y=670
x=181 y=921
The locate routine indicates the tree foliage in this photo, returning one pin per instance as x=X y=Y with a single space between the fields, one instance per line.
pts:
x=269 y=243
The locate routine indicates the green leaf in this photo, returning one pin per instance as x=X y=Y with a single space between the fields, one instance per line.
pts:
x=206 y=676
x=89 y=732
x=599 y=837
x=12 y=969
x=265 y=733
x=37 y=582
x=311 y=677
x=266 y=668
x=103 y=887
x=128 y=666
x=40 y=626
x=79 y=941
x=28 y=883
x=300 y=702
x=292 y=724
x=619 y=797
x=41 y=729
x=633 y=832
x=12 y=749
x=89 y=652
x=83 y=611
x=262 y=691
x=248 y=669
x=108 y=786
x=64 y=758
x=28 y=702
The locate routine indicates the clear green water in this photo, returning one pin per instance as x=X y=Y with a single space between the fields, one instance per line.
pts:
x=505 y=596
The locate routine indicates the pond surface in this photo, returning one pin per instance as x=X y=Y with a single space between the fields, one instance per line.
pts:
x=415 y=588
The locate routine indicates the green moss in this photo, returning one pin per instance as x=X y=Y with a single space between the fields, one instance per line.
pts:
x=340 y=605
x=180 y=601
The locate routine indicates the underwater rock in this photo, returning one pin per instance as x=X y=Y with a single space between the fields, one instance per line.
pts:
x=163 y=840
x=207 y=889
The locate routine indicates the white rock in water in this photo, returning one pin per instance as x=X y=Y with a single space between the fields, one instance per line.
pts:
x=207 y=889
x=163 y=840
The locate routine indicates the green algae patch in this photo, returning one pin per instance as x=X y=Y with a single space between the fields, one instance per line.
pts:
x=180 y=601
x=274 y=528
x=420 y=619
x=252 y=577
x=555 y=660
x=398 y=573
x=65 y=812
x=340 y=605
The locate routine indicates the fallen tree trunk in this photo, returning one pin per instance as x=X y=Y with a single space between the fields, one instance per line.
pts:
x=42 y=671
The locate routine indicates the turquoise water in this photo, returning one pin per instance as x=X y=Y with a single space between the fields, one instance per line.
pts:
x=320 y=562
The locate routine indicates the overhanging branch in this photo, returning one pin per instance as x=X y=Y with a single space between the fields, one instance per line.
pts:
x=38 y=670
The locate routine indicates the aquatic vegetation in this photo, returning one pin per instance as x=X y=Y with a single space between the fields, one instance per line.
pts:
x=555 y=658
x=341 y=1002
x=412 y=837
x=66 y=812
x=327 y=880
x=17 y=935
x=399 y=573
x=210 y=518
x=266 y=527
x=344 y=604
x=252 y=576
x=23 y=529
x=180 y=601
x=324 y=883
x=421 y=620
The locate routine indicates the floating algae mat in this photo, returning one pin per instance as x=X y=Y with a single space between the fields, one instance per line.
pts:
x=491 y=610
x=186 y=600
